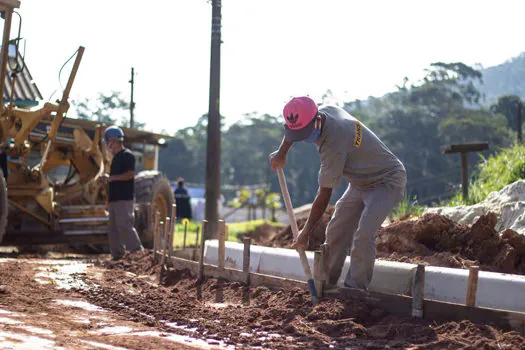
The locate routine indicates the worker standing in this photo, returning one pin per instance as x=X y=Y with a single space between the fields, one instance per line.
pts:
x=121 y=195
x=182 y=201
x=376 y=177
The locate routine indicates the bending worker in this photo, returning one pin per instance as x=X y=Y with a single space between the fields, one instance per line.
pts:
x=375 y=175
x=121 y=197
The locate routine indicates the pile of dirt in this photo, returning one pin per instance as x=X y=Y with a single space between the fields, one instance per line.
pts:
x=283 y=237
x=262 y=234
x=283 y=319
x=434 y=239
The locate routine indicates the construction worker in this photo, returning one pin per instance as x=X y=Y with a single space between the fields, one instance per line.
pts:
x=376 y=177
x=121 y=196
x=182 y=201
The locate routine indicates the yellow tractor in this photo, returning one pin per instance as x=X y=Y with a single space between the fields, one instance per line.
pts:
x=50 y=164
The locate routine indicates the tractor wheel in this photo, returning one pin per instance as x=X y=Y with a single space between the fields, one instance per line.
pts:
x=3 y=205
x=152 y=188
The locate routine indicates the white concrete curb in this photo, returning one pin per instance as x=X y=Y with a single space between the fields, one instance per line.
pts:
x=495 y=290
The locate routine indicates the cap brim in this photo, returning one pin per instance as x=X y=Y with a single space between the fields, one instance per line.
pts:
x=298 y=135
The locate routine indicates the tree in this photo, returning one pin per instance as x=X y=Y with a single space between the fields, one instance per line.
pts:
x=476 y=125
x=508 y=106
x=109 y=109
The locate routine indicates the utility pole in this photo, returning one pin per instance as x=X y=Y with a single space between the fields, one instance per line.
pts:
x=131 y=104
x=213 y=155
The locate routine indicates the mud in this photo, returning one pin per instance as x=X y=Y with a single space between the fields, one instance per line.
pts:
x=41 y=308
x=432 y=239
x=95 y=303
x=436 y=240
x=280 y=319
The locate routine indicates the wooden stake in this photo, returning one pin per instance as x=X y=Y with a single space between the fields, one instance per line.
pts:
x=317 y=273
x=160 y=233
x=246 y=260
x=325 y=263
x=156 y=238
x=222 y=242
x=472 y=285
x=418 y=291
x=171 y=240
x=173 y=227
x=201 y=257
x=246 y=271
x=197 y=236
x=165 y=251
x=173 y=213
x=185 y=231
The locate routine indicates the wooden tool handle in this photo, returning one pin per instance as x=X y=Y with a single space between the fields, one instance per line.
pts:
x=295 y=232
x=288 y=202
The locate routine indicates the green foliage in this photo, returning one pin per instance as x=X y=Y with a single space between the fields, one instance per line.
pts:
x=408 y=207
x=273 y=200
x=191 y=234
x=508 y=106
x=495 y=173
x=110 y=109
x=468 y=125
x=237 y=229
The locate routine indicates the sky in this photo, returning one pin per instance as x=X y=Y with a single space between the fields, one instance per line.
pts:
x=272 y=50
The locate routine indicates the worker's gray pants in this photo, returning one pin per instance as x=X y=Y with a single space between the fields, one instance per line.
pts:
x=358 y=215
x=122 y=234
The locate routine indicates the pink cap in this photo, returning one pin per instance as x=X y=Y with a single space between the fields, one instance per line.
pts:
x=299 y=112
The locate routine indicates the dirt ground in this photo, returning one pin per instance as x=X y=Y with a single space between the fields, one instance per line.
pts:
x=432 y=239
x=65 y=301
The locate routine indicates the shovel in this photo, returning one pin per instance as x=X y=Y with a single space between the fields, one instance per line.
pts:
x=295 y=232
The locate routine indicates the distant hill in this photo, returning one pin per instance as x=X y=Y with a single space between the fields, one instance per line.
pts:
x=505 y=79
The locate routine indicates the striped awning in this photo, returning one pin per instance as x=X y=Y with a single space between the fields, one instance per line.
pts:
x=26 y=93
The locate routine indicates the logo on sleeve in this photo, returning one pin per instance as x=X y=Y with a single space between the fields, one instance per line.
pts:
x=358 y=137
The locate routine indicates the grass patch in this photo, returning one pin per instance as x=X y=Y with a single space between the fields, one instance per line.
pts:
x=235 y=230
x=407 y=207
x=496 y=172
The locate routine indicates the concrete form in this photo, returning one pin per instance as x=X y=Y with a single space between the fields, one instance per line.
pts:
x=495 y=290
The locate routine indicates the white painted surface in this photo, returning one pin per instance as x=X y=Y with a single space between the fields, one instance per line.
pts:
x=495 y=290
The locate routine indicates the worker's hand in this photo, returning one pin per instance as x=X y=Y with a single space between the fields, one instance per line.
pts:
x=104 y=178
x=277 y=160
x=302 y=240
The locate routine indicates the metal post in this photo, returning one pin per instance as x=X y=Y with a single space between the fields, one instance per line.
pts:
x=131 y=104
x=213 y=155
